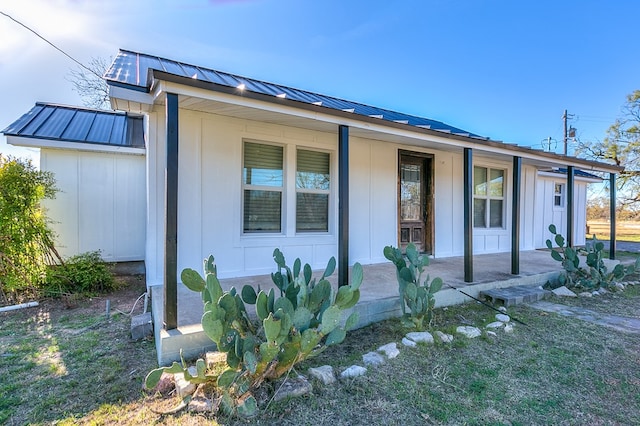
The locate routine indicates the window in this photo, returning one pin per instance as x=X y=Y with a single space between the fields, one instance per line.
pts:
x=488 y=197
x=312 y=191
x=558 y=195
x=262 y=182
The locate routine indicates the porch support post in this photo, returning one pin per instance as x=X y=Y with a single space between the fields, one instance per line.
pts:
x=343 y=205
x=515 y=216
x=570 y=174
x=468 y=215
x=612 y=215
x=171 y=213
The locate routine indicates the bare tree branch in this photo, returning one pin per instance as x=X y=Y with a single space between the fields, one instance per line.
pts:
x=92 y=89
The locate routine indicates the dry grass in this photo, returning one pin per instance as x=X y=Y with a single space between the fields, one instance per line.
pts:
x=72 y=367
x=625 y=231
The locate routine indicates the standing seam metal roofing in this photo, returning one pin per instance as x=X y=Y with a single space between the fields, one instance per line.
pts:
x=74 y=124
x=131 y=69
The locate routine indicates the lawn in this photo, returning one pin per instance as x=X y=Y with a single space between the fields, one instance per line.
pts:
x=73 y=366
x=625 y=231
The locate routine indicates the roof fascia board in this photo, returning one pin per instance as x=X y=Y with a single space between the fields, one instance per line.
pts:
x=75 y=146
x=562 y=176
x=130 y=94
x=165 y=82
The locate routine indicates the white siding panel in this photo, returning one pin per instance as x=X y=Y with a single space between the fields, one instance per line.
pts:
x=189 y=193
x=551 y=214
x=101 y=204
x=63 y=210
x=580 y=213
x=527 y=208
x=383 y=205
x=130 y=207
x=96 y=200
x=359 y=200
x=448 y=205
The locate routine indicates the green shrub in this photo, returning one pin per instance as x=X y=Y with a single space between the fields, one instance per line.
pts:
x=26 y=241
x=302 y=322
x=85 y=273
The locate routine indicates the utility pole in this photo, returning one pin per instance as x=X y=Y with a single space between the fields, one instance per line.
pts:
x=570 y=132
x=564 y=121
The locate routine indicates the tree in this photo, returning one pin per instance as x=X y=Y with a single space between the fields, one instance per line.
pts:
x=89 y=84
x=621 y=146
x=26 y=241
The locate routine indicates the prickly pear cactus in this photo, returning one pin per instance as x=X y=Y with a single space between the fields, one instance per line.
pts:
x=303 y=321
x=596 y=273
x=419 y=298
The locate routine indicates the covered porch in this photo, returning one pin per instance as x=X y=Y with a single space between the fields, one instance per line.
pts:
x=379 y=294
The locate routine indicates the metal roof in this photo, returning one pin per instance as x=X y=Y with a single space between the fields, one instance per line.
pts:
x=576 y=172
x=75 y=124
x=131 y=70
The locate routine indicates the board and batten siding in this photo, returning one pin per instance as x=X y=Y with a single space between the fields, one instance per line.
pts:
x=101 y=203
x=546 y=213
x=210 y=198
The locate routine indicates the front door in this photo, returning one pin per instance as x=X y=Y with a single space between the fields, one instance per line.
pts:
x=415 y=201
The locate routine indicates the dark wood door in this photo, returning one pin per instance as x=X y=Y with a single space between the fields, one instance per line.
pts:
x=414 y=202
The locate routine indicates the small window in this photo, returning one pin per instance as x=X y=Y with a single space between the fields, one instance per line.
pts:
x=313 y=182
x=262 y=181
x=558 y=195
x=488 y=197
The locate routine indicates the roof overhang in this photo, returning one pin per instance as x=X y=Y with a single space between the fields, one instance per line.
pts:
x=75 y=146
x=214 y=98
x=562 y=175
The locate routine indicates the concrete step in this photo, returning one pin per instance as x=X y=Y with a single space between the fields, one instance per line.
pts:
x=509 y=296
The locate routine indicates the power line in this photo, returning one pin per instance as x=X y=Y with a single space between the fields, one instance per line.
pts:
x=51 y=44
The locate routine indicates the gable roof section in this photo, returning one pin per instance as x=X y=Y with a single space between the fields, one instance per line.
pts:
x=81 y=125
x=132 y=70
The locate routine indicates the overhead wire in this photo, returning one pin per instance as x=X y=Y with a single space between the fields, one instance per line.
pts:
x=51 y=44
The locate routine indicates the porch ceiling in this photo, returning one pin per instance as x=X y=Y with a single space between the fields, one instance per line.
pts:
x=371 y=130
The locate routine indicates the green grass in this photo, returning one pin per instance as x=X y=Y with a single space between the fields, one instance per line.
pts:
x=557 y=370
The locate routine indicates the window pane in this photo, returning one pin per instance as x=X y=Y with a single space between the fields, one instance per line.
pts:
x=479 y=213
x=313 y=170
x=312 y=212
x=479 y=181
x=262 y=211
x=558 y=188
x=495 y=213
x=496 y=183
x=262 y=164
x=410 y=192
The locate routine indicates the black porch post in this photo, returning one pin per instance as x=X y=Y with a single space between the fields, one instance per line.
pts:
x=468 y=215
x=343 y=205
x=612 y=215
x=515 y=217
x=570 y=173
x=171 y=210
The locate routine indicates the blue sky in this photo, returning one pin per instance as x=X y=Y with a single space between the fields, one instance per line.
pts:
x=502 y=69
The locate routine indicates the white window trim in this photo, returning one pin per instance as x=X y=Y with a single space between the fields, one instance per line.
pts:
x=282 y=189
x=329 y=192
x=562 y=195
x=505 y=172
x=288 y=206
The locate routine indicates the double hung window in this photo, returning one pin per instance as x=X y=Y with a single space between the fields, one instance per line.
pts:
x=312 y=191
x=558 y=195
x=264 y=181
x=488 y=197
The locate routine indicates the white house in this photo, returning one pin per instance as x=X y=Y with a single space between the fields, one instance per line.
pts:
x=236 y=167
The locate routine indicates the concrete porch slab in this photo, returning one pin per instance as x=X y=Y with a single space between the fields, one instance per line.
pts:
x=379 y=295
